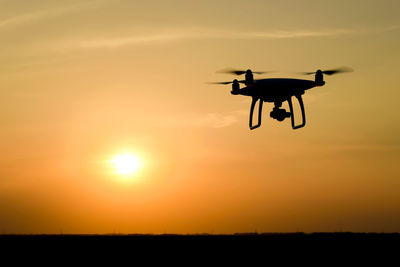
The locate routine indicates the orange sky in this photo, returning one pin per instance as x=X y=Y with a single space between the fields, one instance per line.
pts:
x=84 y=81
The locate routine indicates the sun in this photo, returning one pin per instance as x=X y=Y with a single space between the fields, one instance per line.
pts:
x=126 y=164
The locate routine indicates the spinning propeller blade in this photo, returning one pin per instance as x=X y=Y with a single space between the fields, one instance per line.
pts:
x=224 y=82
x=240 y=72
x=219 y=82
x=331 y=72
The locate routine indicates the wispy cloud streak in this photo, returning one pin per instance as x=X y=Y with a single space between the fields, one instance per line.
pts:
x=197 y=33
x=208 y=120
x=215 y=120
x=45 y=14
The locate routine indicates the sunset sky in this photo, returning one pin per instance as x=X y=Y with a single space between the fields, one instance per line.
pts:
x=84 y=82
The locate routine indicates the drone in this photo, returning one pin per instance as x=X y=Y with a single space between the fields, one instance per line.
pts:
x=277 y=91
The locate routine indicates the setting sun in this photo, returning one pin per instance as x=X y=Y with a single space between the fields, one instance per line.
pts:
x=126 y=164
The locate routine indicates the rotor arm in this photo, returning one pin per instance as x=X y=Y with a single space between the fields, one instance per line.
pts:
x=253 y=103
x=299 y=98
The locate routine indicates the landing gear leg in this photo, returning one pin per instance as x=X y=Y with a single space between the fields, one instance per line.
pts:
x=253 y=103
x=302 y=112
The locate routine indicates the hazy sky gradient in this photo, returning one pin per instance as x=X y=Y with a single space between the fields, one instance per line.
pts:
x=82 y=81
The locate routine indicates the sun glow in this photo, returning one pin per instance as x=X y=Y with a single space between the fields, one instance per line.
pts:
x=126 y=164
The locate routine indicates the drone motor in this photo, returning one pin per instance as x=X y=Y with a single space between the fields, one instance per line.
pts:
x=319 y=78
x=235 y=87
x=249 y=77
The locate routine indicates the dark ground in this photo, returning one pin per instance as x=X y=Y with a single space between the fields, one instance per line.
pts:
x=243 y=239
x=252 y=247
x=237 y=236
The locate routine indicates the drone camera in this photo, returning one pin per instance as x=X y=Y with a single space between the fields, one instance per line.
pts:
x=279 y=114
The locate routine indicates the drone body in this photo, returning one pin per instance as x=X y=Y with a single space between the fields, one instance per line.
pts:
x=277 y=91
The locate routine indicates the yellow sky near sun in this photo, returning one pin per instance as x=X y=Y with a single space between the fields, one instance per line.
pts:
x=84 y=81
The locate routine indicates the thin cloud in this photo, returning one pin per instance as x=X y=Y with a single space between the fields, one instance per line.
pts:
x=132 y=40
x=198 y=33
x=45 y=14
x=214 y=120
x=365 y=149
x=210 y=120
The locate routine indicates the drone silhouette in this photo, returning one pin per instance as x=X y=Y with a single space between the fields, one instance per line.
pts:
x=277 y=91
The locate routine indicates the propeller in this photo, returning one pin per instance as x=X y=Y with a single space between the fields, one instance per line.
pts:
x=225 y=82
x=240 y=72
x=331 y=72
